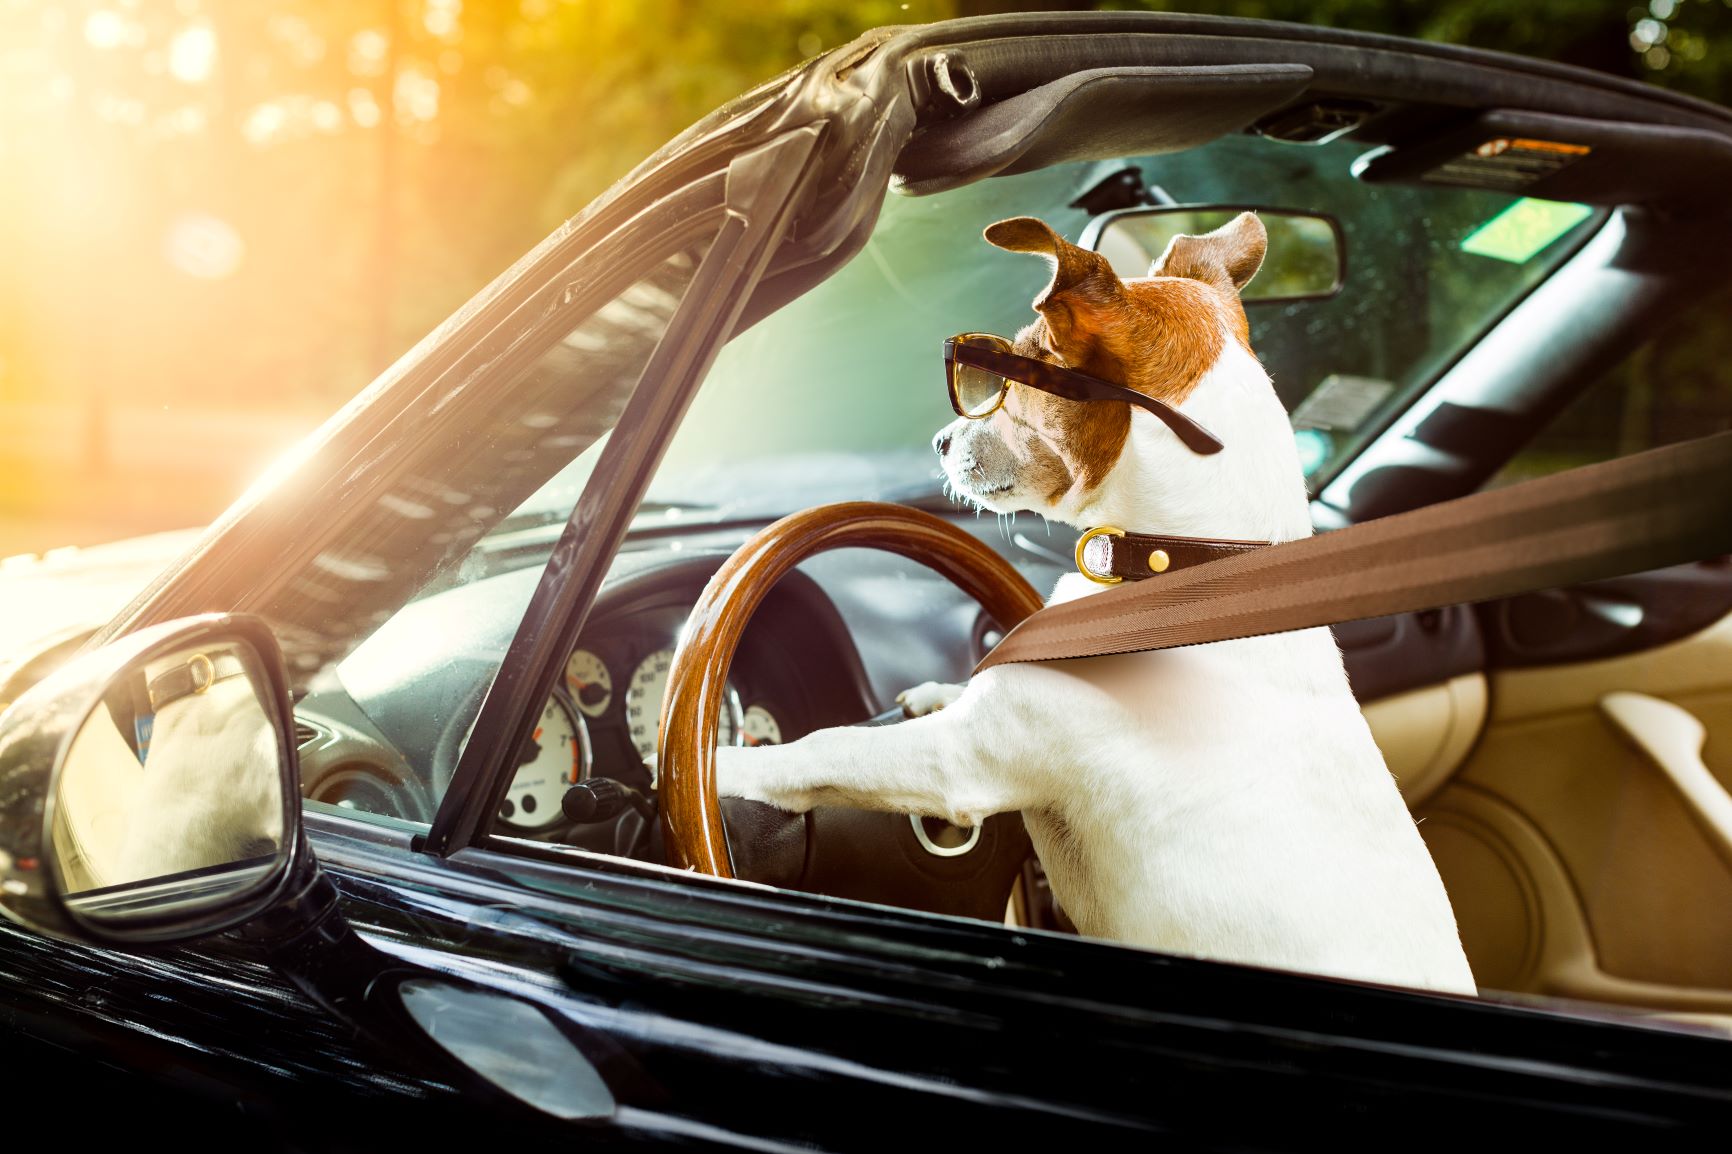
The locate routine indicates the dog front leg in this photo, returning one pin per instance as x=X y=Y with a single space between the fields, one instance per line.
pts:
x=930 y=766
x=928 y=697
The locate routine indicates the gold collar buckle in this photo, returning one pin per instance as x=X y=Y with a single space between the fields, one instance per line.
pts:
x=1082 y=543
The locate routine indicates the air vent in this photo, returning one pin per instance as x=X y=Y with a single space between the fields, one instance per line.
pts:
x=305 y=734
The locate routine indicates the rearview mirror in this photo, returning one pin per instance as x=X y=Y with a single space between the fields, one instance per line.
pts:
x=1306 y=259
x=148 y=790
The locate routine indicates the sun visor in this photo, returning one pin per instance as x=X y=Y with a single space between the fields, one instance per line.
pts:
x=1100 y=114
x=1563 y=158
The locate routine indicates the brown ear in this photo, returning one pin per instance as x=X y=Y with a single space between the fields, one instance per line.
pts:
x=1083 y=284
x=1229 y=256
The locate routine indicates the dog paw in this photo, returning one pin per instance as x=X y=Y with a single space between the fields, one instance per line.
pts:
x=927 y=697
x=743 y=772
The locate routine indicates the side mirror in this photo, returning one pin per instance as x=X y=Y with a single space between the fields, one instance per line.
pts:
x=149 y=790
x=150 y=793
x=1306 y=259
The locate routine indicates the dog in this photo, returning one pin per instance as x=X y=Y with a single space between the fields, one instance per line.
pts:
x=1224 y=801
x=204 y=791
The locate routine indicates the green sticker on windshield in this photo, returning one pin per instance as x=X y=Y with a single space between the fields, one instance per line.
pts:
x=1519 y=232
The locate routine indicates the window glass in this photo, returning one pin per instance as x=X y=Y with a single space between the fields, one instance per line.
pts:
x=837 y=395
x=395 y=630
x=1676 y=386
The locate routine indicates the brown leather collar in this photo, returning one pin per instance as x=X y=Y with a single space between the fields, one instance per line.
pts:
x=1108 y=554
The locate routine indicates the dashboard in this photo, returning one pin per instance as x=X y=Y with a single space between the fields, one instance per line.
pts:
x=796 y=671
x=383 y=731
x=832 y=644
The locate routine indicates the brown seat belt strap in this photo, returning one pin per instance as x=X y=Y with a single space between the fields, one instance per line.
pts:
x=1661 y=507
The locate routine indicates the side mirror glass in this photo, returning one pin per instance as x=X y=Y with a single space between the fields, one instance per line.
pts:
x=1306 y=259
x=148 y=790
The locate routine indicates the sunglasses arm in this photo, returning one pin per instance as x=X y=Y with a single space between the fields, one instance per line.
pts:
x=1075 y=386
x=1196 y=438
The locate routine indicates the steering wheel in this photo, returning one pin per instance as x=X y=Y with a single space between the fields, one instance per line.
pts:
x=691 y=812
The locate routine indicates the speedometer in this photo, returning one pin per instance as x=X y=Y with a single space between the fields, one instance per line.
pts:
x=760 y=727
x=557 y=759
x=643 y=705
x=589 y=681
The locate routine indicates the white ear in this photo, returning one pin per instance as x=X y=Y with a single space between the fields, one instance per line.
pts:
x=1231 y=255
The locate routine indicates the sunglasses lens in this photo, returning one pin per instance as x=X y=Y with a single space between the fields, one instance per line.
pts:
x=977 y=391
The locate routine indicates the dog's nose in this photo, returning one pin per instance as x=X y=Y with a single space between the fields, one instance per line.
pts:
x=941 y=442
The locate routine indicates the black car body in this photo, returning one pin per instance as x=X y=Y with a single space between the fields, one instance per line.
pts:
x=772 y=1019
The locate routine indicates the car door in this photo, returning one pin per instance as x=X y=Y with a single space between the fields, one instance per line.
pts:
x=1586 y=838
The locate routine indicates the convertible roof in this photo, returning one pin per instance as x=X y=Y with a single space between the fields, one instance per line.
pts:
x=929 y=107
x=999 y=95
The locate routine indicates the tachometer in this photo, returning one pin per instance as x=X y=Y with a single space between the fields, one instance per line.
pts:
x=643 y=705
x=557 y=759
x=590 y=683
x=759 y=727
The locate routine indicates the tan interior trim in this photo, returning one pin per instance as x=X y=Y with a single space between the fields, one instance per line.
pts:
x=1676 y=669
x=1425 y=734
x=1671 y=738
x=1714 y=1023
x=1016 y=909
x=1558 y=958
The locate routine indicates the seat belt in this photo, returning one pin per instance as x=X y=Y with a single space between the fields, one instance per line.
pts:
x=1662 y=507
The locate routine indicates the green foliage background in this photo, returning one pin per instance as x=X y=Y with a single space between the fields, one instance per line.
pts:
x=491 y=121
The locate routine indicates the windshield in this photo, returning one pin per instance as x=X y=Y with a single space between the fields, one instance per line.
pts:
x=837 y=395
x=409 y=612
x=465 y=487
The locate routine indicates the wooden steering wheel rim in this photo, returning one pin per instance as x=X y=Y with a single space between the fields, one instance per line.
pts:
x=691 y=812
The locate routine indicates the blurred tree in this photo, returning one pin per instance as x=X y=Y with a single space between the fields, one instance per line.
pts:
x=257 y=205
x=369 y=164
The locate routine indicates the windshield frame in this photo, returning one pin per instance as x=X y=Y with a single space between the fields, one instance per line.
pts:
x=761 y=192
x=306 y=499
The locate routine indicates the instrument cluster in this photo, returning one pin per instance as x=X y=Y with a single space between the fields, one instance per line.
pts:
x=603 y=719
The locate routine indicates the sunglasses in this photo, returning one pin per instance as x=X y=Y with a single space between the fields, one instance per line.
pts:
x=980 y=366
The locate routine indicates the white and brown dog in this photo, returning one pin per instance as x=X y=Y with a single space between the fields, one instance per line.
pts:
x=1225 y=800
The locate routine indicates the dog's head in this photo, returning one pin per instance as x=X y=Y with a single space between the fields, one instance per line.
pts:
x=1159 y=335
